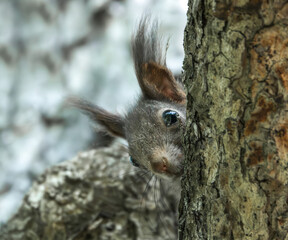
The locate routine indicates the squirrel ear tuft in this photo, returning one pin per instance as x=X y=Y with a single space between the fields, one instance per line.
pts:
x=157 y=82
x=113 y=123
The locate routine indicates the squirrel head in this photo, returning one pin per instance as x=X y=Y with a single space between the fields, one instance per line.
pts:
x=153 y=126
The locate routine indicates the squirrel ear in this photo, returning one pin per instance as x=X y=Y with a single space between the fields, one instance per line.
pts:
x=157 y=82
x=113 y=123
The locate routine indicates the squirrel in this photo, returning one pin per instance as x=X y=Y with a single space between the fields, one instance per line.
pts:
x=153 y=126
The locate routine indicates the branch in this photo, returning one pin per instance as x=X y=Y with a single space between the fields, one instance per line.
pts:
x=96 y=195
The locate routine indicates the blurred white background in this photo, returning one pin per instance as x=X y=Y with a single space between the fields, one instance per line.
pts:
x=50 y=49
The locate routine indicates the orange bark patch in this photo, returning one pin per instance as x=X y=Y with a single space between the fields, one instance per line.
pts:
x=270 y=157
x=256 y=154
x=268 y=47
x=264 y=109
x=281 y=221
x=250 y=127
x=260 y=114
x=280 y=134
x=231 y=127
x=282 y=72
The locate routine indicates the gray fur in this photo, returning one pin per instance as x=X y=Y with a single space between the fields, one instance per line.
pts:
x=114 y=123
x=145 y=132
x=152 y=145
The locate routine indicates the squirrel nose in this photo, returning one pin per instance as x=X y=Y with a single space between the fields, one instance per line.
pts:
x=160 y=166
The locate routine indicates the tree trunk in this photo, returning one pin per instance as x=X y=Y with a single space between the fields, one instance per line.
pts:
x=236 y=73
x=96 y=195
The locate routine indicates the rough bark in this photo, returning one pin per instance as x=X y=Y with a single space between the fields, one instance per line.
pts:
x=96 y=195
x=236 y=73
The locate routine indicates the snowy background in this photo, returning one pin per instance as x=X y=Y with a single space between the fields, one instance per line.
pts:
x=50 y=49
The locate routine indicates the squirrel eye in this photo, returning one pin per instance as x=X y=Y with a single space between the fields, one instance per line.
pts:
x=134 y=163
x=170 y=117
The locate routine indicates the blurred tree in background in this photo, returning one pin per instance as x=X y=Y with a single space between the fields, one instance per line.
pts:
x=52 y=49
